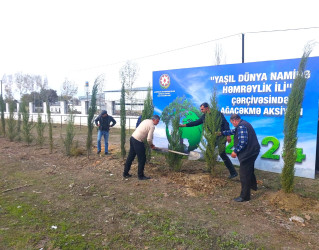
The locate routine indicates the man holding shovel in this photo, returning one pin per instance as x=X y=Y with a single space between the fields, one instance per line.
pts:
x=204 y=108
x=144 y=131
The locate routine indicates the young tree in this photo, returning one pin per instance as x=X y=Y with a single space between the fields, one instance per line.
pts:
x=291 y=123
x=210 y=139
x=92 y=111
x=171 y=116
x=26 y=124
x=147 y=114
x=50 y=127
x=19 y=122
x=11 y=122
x=69 y=137
x=175 y=160
x=40 y=130
x=123 y=121
x=3 y=121
x=128 y=75
x=148 y=110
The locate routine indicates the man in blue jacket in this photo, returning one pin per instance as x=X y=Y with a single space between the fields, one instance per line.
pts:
x=103 y=121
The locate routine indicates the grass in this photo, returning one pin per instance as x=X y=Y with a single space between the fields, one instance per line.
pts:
x=168 y=230
x=93 y=210
x=234 y=241
x=28 y=225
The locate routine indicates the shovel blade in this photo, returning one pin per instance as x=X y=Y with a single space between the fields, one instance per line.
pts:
x=193 y=156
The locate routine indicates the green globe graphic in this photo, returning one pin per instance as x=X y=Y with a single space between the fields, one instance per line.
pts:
x=188 y=113
x=192 y=134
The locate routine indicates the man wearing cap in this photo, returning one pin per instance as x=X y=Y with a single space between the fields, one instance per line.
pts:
x=103 y=121
x=246 y=150
x=144 y=131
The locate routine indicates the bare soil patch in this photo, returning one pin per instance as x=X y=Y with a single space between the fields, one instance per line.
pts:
x=94 y=207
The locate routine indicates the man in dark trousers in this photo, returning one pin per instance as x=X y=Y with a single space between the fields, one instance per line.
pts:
x=204 y=108
x=144 y=131
x=103 y=121
x=246 y=149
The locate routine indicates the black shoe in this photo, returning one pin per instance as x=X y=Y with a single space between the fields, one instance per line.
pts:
x=232 y=176
x=239 y=199
x=127 y=175
x=254 y=188
x=106 y=153
x=98 y=152
x=142 y=178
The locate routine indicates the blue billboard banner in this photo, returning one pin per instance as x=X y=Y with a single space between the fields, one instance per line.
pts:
x=258 y=92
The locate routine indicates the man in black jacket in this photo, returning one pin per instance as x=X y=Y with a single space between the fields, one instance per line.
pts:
x=204 y=108
x=103 y=121
x=246 y=150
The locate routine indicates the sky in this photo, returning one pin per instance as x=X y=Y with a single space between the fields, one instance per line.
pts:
x=80 y=40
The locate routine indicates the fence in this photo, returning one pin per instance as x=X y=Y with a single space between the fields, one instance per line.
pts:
x=80 y=120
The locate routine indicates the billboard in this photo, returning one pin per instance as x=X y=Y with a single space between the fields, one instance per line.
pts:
x=258 y=92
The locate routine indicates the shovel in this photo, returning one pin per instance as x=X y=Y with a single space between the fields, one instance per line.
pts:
x=192 y=156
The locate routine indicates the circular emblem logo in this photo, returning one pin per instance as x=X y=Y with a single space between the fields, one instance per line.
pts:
x=164 y=81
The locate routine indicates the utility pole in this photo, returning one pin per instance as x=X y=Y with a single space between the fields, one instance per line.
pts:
x=242 y=47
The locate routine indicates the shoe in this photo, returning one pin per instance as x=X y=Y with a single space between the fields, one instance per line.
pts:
x=98 y=152
x=106 y=153
x=143 y=178
x=127 y=175
x=239 y=199
x=254 y=188
x=232 y=176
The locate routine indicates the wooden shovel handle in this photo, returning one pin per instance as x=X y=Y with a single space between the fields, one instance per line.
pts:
x=176 y=152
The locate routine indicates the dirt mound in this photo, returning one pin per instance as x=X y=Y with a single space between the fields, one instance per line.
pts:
x=197 y=183
x=293 y=202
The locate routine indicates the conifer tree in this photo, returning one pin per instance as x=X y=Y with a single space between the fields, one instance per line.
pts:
x=40 y=130
x=11 y=122
x=19 y=122
x=210 y=139
x=291 y=123
x=123 y=121
x=92 y=111
x=147 y=114
x=69 y=137
x=26 y=124
x=171 y=116
x=3 y=121
x=50 y=127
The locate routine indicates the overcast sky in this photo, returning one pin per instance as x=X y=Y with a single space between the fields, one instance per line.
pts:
x=82 y=39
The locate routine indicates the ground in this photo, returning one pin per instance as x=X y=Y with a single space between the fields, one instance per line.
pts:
x=51 y=201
